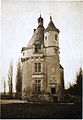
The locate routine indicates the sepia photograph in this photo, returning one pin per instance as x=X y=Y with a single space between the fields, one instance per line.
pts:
x=41 y=59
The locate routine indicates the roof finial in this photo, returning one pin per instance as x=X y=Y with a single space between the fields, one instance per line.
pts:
x=50 y=18
x=40 y=13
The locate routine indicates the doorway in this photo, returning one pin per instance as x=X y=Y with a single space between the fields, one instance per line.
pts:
x=55 y=99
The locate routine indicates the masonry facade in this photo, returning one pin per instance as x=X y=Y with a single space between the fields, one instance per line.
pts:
x=43 y=76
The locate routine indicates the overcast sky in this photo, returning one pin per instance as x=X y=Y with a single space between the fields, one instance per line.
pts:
x=19 y=18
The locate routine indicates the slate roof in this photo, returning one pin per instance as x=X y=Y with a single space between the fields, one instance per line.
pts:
x=39 y=32
x=38 y=35
x=51 y=27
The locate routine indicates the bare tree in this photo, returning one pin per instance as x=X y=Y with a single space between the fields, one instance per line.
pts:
x=19 y=80
x=4 y=86
x=10 y=78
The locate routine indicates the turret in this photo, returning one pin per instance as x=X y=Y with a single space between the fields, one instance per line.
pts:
x=40 y=21
x=51 y=43
x=51 y=37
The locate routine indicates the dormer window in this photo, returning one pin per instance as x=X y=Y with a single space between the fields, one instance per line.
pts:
x=37 y=48
x=55 y=37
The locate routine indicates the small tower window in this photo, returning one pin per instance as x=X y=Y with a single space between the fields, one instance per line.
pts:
x=45 y=37
x=55 y=37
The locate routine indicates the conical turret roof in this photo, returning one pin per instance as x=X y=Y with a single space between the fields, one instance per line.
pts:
x=51 y=26
x=38 y=34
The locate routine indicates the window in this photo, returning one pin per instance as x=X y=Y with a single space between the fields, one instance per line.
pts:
x=53 y=90
x=55 y=37
x=37 y=86
x=37 y=67
x=45 y=37
x=38 y=48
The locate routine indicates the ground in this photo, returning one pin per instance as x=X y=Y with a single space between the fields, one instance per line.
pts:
x=15 y=109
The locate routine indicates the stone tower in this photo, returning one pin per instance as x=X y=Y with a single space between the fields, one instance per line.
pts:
x=51 y=42
x=42 y=73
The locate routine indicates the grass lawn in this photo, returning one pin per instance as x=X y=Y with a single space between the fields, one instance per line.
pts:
x=34 y=110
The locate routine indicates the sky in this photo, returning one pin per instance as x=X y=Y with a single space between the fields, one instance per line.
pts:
x=19 y=18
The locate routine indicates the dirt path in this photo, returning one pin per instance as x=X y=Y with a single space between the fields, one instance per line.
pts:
x=11 y=101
